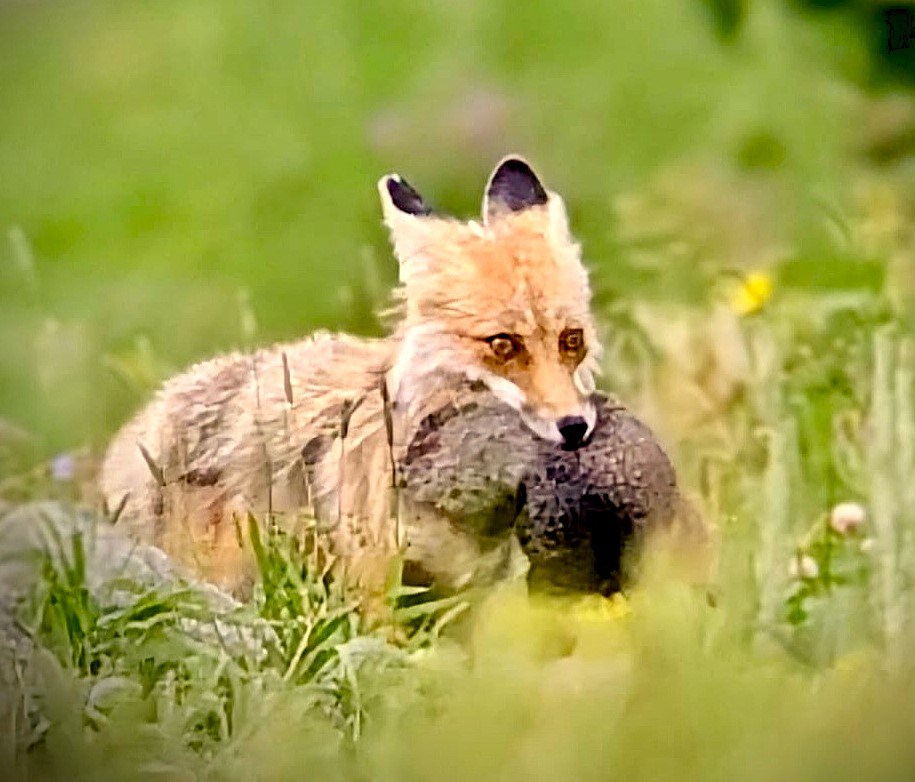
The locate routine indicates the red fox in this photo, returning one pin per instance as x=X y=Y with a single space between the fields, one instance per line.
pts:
x=316 y=426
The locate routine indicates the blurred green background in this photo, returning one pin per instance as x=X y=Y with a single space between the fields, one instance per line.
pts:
x=177 y=178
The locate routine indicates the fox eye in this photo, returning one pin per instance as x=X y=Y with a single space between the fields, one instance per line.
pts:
x=572 y=342
x=505 y=346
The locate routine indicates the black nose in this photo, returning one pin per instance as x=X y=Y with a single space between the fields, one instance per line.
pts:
x=573 y=429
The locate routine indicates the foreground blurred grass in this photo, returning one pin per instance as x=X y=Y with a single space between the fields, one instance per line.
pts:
x=177 y=179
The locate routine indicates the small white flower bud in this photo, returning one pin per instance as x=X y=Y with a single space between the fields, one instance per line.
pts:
x=803 y=566
x=847 y=517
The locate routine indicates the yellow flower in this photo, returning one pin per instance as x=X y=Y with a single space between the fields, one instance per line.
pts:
x=753 y=293
x=595 y=608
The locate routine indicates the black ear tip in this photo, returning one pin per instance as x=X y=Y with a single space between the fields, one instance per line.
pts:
x=404 y=197
x=515 y=186
x=514 y=166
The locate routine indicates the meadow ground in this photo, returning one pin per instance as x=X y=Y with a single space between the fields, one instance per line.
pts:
x=179 y=179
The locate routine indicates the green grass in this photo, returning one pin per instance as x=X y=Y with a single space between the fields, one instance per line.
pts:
x=178 y=179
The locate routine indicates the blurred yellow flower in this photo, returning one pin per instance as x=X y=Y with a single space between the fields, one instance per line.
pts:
x=752 y=294
x=595 y=608
x=855 y=663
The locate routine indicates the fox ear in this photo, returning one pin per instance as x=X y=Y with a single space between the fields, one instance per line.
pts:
x=512 y=187
x=412 y=225
x=396 y=192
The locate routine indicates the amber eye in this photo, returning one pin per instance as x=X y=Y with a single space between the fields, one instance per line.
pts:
x=572 y=342
x=505 y=346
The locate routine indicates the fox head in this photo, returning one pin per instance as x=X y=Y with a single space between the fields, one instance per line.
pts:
x=505 y=301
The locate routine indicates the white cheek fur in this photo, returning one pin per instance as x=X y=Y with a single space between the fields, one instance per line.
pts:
x=544 y=429
x=590 y=416
x=584 y=379
x=504 y=389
